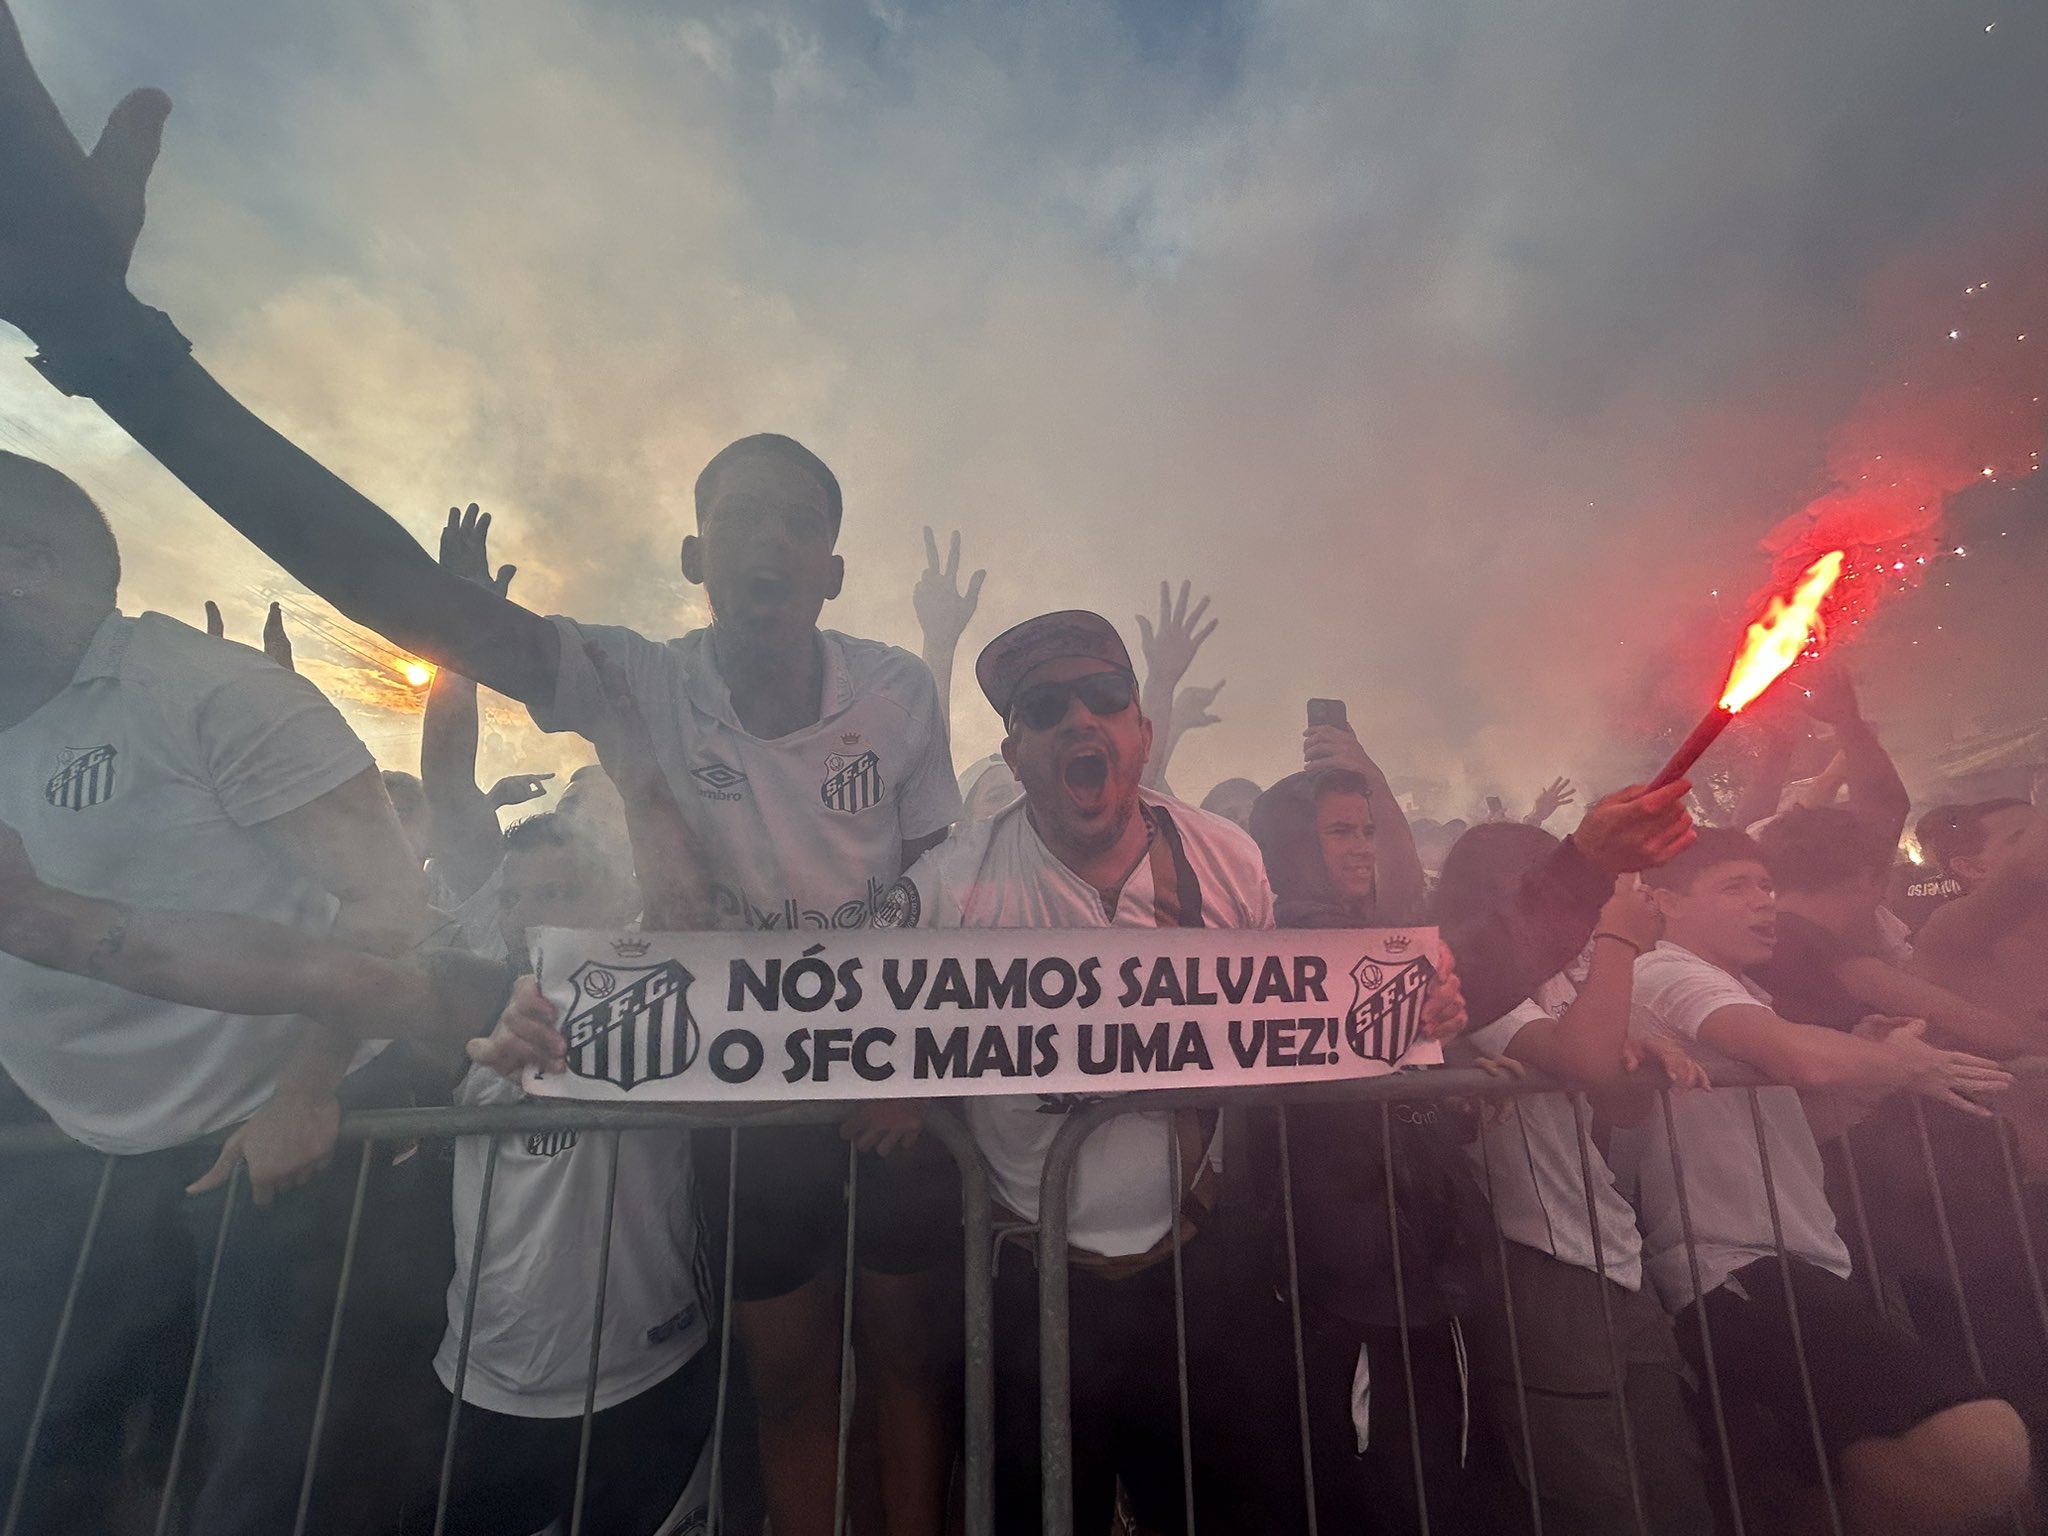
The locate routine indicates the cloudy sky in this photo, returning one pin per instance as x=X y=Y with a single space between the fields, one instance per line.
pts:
x=1465 y=350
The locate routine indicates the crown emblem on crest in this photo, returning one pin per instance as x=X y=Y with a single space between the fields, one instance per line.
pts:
x=850 y=739
x=629 y=949
x=1397 y=943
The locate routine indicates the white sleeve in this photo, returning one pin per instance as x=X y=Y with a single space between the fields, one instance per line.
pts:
x=1675 y=995
x=1495 y=1038
x=272 y=743
x=928 y=800
x=578 y=703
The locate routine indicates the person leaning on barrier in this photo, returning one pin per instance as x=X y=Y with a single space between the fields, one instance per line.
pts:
x=1087 y=847
x=1913 y=1442
x=1553 y=1372
x=144 y=762
x=814 y=766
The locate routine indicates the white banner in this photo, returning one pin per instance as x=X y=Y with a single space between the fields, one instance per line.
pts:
x=936 y=1013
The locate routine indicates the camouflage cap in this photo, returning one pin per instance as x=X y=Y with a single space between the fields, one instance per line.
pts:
x=1006 y=661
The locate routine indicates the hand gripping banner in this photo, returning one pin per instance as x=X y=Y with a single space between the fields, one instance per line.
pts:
x=937 y=1013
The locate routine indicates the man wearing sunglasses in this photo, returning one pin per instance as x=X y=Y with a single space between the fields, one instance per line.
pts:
x=1088 y=847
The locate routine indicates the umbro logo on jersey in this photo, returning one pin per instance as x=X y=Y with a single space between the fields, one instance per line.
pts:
x=85 y=777
x=718 y=781
x=852 y=783
x=1386 y=1007
x=630 y=1024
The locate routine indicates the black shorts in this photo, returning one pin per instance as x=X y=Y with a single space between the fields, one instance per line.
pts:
x=792 y=1205
x=1871 y=1378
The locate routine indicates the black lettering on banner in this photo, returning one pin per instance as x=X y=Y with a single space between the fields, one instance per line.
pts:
x=849 y=985
x=1280 y=1043
x=765 y=987
x=1191 y=1050
x=1234 y=987
x=1053 y=982
x=1133 y=988
x=1272 y=986
x=749 y=1047
x=1091 y=989
x=1145 y=1052
x=864 y=1063
x=1093 y=1065
x=903 y=995
x=992 y=1058
x=1309 y=974
x=1000 y=989
x=930 y=1058
x=807 y=983
x=1046 y=1044
x=949 y=987
x=1247 y=1051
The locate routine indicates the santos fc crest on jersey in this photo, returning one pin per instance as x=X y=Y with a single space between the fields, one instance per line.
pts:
x=84 y=778
x=853 y=781
x=1386 y=1007
x=629 y=1025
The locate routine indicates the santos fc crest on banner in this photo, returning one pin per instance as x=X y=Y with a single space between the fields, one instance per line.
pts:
x=629 y=1025
x=1386 y=1006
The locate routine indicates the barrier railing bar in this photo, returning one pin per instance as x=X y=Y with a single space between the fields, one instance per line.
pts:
x=1820 y=1449
x=978 y=1220
x=604 y=1268
x=341 y=1285
x=1699 y=1309
x=1180 y=1322
x=715 y=1507
x=1401 y=1317
x=846 y=1375
x=185 y=1409
x=2019 y=1214
x=1308 y=1455
x=1864 y=1240
x=476 y=1269
x=1616 y=1366
x=1948 y=1241
x=26 y=1466
x=1507 y=1296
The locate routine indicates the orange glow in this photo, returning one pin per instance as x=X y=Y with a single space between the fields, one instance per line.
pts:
x=418 y=673
x=1777 y=639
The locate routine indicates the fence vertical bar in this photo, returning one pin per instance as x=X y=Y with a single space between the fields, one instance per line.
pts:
x=714 y=1503
x=1401 y=1317
x=1820 y=1449
x=26 y=1465
x=2019 y=1215
x=1948 y=1242
x=1180 y=1321
x=604 y=1266
x=341 y=1285
x=1699 y=1308
x=1615 y=1364
x=1864 y=1240
x=476 y=1264
x=1308 y=1455
x=846 y=1375
x=1507 y=1296
x=182 y=1437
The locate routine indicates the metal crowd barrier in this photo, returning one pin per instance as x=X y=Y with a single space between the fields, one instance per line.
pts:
x=1055 y=1329
x=369 y=1128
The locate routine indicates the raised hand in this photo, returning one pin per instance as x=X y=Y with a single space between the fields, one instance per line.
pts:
x=68 y=220
x=1683 y=1069
x=1170 y=649
x=1191 y=708
x=943 y=610
x=1637 y=828
x=1830 y=697
x=1953 y=1078
x=277 y=645
x=1551 y=799
x=466 y=549
x=1631 y=915
x=1443 y=1005
x=524 y=1036
x=1336 y=746
x=517 y=789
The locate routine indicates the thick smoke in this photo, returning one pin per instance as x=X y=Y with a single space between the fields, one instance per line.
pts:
x=1466 y=351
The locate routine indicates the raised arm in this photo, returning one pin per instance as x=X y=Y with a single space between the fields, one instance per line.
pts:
x=1887 y=989
x=1810 y=1058
x=1587 y=1043
x=68 y=225
x=944 y=611
x=667 y=856
x=1398 y=881
x=1876 y=792
x=1169 y=651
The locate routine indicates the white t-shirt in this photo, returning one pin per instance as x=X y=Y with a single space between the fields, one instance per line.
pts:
x=1675 y=993
x=145 y=780
x=805 y=831
x=1539 y=1186
x=529 y=1347
x=997 y=873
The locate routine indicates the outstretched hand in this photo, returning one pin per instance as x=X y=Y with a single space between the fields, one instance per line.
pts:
x=466 y=549
x=68 y=220
x=1191 y=708
x=524 y=1036
x=277 y=645
x=943 y=610
x=1637 y=828
x=517 y=789
x=1551 y=799
x=1170 y=649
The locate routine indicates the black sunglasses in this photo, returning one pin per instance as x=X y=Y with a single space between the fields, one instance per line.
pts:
x=1044 y=705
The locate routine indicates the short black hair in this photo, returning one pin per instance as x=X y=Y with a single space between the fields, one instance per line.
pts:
x=545 y=830
x=1716 y=845
x=46 y=504
x=1480 y=861
x=1339 y=781
x=1951 y=832
x=771 y=445
x=1816 y=848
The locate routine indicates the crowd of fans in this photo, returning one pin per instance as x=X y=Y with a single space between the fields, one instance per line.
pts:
x=222 y=924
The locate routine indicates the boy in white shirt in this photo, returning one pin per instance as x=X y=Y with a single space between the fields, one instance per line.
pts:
x=1913 y=1442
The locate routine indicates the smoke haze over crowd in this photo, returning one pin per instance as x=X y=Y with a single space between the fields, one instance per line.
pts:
x=1467 y=352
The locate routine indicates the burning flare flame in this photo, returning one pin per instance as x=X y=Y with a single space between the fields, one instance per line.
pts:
x=419 y=674
x=1777 y=639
